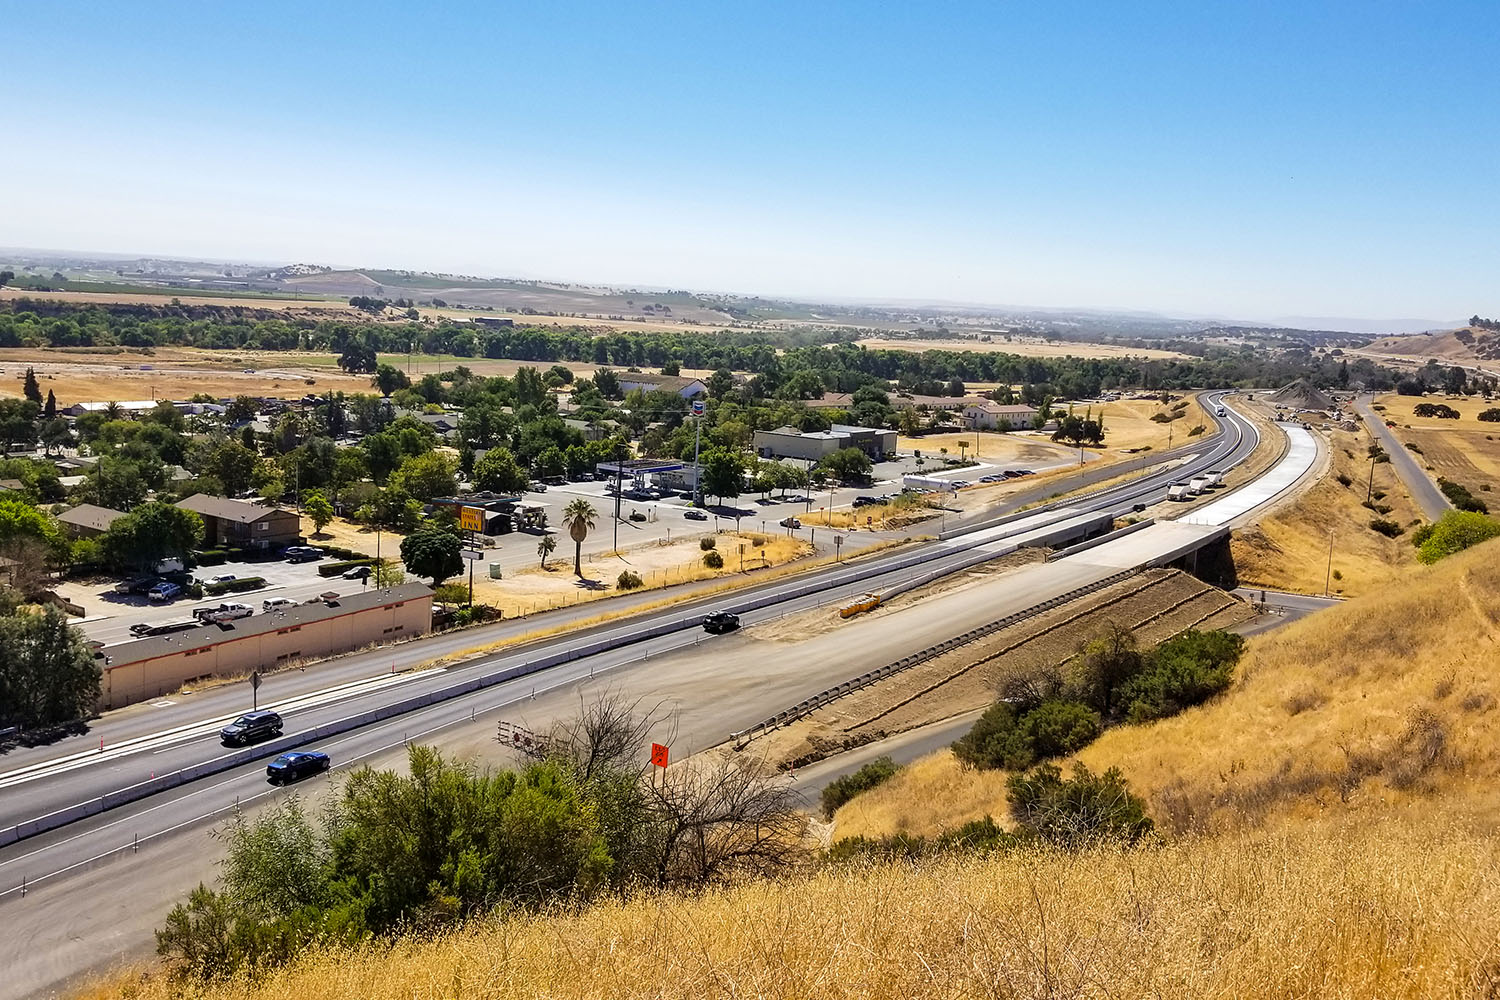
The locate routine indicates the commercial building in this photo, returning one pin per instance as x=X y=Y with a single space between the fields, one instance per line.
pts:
x=988 y=416
x=148 y=668
x=685 y=387
x=236 y=524
x=789 y=442
x=876 y=442
x=87 y=520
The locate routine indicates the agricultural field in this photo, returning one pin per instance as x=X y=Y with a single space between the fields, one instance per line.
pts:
x=1465 y=450
x=1030 y=347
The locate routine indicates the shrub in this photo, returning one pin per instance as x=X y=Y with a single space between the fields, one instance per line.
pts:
x=841 y=790
x=628 y=580
x=974 y=836
x=335 y=568
x=1490 y=416
x=707 y=542
x=1460 y=497
x=211 y=557
x=234 y=586
x=1077 y=811
x=1456 y=531
x=1164 y=418
x=1183 y=671
x=1010 y=738
x=1389 y=529
x=756 y=541
x=713 y=560
x=1199 y=429
x=451 y=593
x=1343 y=479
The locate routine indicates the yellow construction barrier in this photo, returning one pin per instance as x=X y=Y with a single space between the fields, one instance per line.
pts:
x=868 y=603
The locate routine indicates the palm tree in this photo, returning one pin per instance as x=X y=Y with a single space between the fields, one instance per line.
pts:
x=113 y=411
x=579 y=517
x=545 y=548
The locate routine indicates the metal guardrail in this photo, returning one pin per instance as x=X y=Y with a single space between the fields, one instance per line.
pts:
x=806 y=707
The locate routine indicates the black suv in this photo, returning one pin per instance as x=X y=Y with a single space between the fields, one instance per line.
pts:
x=721 y=621
x=251 y=728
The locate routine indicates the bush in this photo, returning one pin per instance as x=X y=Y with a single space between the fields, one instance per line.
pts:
x=628 y=580
x=1389 y=529
x=1010 y=738
x=707 y=542
x=1077 y=811
x=1183 y=671
x=451 y=593
x=211 y=557
x=756 y=541
x=1490 y=416
x=1456 y=531
x=841 y=790
x=335 y=568
x=234 y=586
x=713 y=560
x=974 y=836
x=1343 y=479
x=1198 y=429
x=1460 y=497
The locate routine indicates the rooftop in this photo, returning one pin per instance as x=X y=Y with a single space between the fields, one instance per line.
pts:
x=135 y=650
x=86 y=515
x=226 y=509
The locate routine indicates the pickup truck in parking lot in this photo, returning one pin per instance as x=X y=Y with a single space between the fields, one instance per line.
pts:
x=223 y=613
x=302 y=553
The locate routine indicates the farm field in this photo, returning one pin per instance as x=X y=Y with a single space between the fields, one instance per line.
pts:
x=1466 y=450
x=318 y=304
x=1027 y=347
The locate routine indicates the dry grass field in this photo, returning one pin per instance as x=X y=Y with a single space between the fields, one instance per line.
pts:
x=1289 y=548
x=1395 y=910
x=1466 y=450
x=1025 y=346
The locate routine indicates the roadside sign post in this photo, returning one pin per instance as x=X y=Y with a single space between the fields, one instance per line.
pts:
x=254 y=690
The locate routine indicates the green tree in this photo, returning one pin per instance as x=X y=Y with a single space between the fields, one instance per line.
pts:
x=546 y=547
x=152 y=532
x=390 y=379
x=433 y=553
x=388 y=575
x=316 y=506
x=723 y=473
x=48 y=673
x=578 y=516
x=423 y=477
x=847 y=465
x=49 y=409
x=31 y=389
x=358 y=357
x=498 y=472
x=54 y=433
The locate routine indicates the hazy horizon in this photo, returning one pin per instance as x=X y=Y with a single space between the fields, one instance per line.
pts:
x=1252 y=165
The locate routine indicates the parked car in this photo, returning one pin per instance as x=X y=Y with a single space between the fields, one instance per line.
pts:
x=537 y=486
x=296 y=765
x=720 y=622
x=139 y=585
x=164 y=592
x=276 y=604
x=358 y=573
x=302 y=553
x=223 y=613
x=252 y=727
x=694 y=514
x=790 y=522
x=222 y=578
x=865 y=501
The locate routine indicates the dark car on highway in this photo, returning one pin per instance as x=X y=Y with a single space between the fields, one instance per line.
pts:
x=295 y=766
x=720 y=621
x=252 y=727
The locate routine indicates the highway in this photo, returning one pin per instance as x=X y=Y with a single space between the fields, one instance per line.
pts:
x=720 y=683
x=1422 y=489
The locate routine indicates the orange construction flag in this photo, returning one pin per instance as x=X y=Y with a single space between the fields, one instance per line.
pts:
x=658 y=755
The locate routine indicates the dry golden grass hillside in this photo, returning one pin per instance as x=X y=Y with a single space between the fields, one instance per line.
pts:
x=1388 y=702
x=1329 y=911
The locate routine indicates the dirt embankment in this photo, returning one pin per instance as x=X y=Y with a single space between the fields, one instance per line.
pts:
x=1156 y=604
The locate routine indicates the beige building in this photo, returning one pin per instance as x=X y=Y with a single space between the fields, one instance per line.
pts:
x=87 y=520
x=236 y=524
x=986 y=415
x=151 y=667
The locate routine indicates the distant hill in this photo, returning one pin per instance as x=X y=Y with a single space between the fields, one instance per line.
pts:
x=1466 y=344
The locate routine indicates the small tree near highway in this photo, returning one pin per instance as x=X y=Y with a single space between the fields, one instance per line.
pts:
x=432 y=553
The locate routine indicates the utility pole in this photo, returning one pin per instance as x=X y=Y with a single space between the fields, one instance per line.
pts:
x=697 y=473
x=1328 y=576
x=1370 y=487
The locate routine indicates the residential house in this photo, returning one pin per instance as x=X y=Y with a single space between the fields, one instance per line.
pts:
x=237 y=524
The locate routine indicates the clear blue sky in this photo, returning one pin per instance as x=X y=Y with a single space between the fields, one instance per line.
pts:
x=1244 y=159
